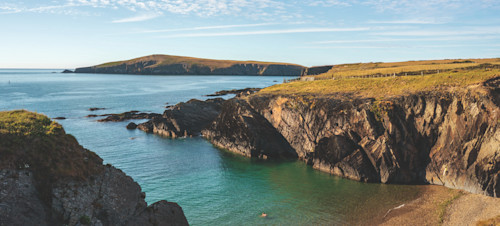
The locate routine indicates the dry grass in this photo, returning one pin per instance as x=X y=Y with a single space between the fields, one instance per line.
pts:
x=490 y=222
x=383 y=87
x=168 y=59
x=363 y=69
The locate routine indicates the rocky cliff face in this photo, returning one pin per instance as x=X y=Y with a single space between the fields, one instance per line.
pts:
x=447 y=137
x=153 y=68
x=49 y=179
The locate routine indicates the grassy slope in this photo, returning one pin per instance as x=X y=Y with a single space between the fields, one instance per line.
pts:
x=388 y=86
x=168 y=59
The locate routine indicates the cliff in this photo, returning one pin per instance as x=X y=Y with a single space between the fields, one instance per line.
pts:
x=178 y=65
x=448 y=136
x=49 y=179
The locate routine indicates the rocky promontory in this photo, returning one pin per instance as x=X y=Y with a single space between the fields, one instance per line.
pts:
x=178 y=65
x=448 y=137
x=49 y=179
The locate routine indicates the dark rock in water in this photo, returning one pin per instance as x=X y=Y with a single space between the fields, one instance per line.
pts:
x=238 y=92
x=131 y=126
x=67 y=71
x=241 y=129
x=184 y=119
x=47 y=178
x=91 y=116
x=96 y=109
x=127 y=116
x=60 y=118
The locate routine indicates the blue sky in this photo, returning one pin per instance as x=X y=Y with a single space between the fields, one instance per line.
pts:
x=75 y=33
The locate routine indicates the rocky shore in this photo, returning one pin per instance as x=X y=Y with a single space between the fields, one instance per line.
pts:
x=448 y=137
x=47 y=178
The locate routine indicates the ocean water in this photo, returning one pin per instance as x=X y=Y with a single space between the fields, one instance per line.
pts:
x=214 y=187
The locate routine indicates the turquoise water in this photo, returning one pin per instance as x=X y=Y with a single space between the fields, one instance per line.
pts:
x=213 y=187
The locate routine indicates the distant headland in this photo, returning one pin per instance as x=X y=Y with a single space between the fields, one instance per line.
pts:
x=180 y=65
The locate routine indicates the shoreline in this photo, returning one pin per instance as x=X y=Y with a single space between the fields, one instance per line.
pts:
x=439 y=205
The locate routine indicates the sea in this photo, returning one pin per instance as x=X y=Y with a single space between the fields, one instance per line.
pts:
x=213 y=186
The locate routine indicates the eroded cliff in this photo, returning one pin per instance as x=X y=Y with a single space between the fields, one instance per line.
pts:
x=448 y=136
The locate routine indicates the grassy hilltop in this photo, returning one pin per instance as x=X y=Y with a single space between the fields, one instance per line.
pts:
x=388 y=79
x=163 y=60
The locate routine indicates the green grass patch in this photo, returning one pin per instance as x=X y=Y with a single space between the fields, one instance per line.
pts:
x=25 y=123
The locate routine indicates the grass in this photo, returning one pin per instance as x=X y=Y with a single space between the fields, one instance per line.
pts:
x=31 y=141
x=490 y=222
x=383 y=87
x=25 y=123
x=162 y=60
x=410 y=67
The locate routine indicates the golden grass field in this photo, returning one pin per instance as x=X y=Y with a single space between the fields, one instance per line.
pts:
x=379 y=87
x=364 y=69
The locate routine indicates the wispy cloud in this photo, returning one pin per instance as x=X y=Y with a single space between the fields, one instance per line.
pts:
x=412 y=21
x=138 y=18
x=445 y=39
x=267 y=32
x=209 y=27
x=462 y=32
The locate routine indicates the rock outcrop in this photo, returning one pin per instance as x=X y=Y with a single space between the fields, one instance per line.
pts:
x=447 y=137
x=184 y=119
x=47 y=178
x=177 y=65
x=240 y=129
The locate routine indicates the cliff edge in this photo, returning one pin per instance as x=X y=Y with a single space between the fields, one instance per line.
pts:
x=49 y=179
x=448 y=136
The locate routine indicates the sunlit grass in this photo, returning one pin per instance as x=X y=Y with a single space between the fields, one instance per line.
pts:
x=363 y=69
x=381 y=87
x=25 y=123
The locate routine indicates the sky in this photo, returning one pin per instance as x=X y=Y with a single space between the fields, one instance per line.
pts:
x=77 y=33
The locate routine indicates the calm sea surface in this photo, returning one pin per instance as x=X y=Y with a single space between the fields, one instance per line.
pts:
x=213 y=187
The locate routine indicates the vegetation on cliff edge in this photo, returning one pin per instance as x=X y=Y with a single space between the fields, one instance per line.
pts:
x=33 y=142
x=379 y=87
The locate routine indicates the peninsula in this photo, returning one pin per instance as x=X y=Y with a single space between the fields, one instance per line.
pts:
x=179 y=65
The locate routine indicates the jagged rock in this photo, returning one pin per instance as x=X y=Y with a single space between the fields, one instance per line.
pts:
x=131 y=126
x=242 y=130
x=67 y=71
x=238 y=92
x=184 y=119
x=126 y=116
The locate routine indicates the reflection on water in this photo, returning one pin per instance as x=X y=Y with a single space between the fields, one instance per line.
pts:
x=213 y=187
